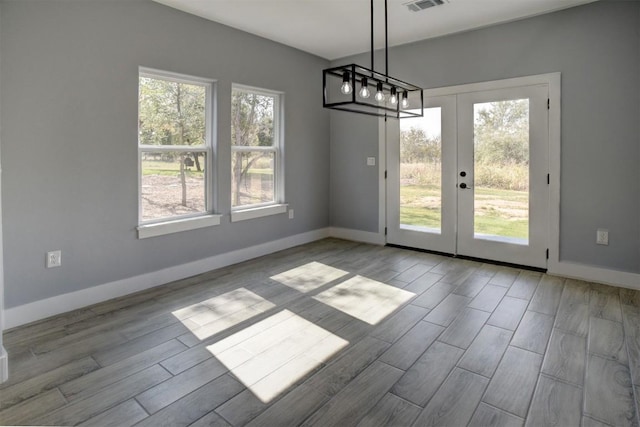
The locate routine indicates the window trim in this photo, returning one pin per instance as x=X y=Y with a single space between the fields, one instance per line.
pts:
x=177 y=225
x=258 y=211
x=160 y=226
x=278 y=205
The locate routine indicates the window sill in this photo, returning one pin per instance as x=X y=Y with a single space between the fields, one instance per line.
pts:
x=176 y=226
x=259 y=212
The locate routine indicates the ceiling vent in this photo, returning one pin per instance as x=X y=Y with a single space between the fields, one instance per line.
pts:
x=418 y=5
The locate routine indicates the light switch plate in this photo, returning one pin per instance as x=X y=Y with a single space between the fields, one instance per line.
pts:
x=602 y=236
x=371 y=161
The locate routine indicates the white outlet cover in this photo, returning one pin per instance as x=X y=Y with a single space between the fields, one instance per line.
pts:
x=54 y=259
x=602 y=236
x=290 y=213
x=371 y=161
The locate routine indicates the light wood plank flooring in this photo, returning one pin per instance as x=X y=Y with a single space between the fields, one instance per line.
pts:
x=336 y=333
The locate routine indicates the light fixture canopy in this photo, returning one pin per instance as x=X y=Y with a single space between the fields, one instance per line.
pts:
x=393 y=98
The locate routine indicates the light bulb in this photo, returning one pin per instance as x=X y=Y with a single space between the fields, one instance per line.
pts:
x=346 y=87
x=405 y=99
x=394 y=96
x=379 y=93
x=364 y=90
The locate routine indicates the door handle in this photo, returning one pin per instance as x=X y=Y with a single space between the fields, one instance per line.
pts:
x=464 y=185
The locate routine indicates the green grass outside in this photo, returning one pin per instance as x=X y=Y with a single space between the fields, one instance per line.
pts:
x=158 y=167
x=261 y=171
x=495 y=219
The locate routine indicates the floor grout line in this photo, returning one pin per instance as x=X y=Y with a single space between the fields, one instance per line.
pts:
x=352 y=258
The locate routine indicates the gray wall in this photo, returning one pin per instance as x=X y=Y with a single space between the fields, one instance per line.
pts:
x=596 y=47
x=354 y=185
x=1 y=256
x=69 y=149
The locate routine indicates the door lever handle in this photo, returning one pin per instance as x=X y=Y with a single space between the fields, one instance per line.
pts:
x=464 y=185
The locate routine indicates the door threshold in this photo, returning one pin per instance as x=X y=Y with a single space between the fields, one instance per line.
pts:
x=470 y=258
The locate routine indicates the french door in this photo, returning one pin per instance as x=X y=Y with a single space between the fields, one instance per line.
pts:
x=471 y=176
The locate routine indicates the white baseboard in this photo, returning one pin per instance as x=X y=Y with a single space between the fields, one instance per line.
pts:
x=595 y=274
x=563 y=268
x=357 y=235
x=4 y=365
x=42 y=309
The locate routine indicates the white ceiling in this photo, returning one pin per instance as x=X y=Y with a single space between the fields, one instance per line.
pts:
x=336 y=28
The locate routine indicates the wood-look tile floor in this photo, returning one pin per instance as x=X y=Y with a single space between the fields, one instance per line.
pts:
x=336 y=333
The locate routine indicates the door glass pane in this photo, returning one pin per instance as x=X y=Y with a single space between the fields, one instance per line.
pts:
x=501 y=171
x=421 y=172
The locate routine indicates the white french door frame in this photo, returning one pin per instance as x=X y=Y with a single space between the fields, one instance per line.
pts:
x=533 y=252
x=553 y=81
x=443 y=240
x=4 y=359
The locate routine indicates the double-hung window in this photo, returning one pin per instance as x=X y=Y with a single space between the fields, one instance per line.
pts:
x=257 y=187
x=174 y=153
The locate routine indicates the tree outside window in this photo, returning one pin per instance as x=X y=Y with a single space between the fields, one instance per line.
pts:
x=255 y=147
x=174 y=145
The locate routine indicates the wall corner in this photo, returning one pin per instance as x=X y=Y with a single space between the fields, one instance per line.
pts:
x=4 y=365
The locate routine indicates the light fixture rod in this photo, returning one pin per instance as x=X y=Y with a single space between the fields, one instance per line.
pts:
x=358 y=101
x=386 y=41
x=372 y=67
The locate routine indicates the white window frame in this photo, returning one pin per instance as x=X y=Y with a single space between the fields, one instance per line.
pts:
x=278 y=206
x=178 y=223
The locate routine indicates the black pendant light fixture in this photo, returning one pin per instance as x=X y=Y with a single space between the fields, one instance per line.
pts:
x=363 y=90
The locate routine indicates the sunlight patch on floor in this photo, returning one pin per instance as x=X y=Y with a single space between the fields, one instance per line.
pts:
x=270 y=356
x=221 y=312
x=309 y=276
x=365 y=299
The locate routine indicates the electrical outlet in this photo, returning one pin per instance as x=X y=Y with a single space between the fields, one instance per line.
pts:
x=602 y=236
x=54 y=259
x=371 y=161
x=290 y=213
